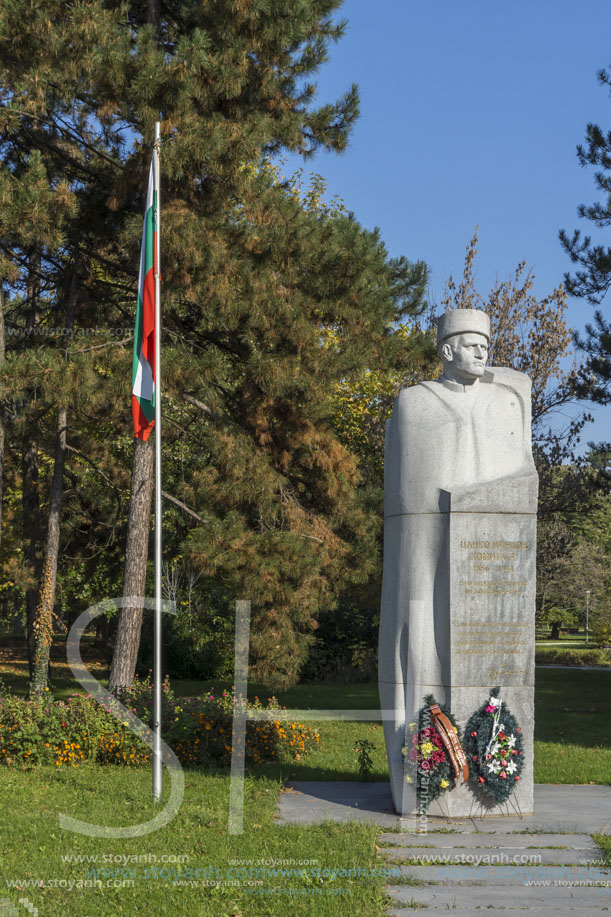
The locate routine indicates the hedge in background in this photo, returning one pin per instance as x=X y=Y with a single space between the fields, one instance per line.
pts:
x=558 y=656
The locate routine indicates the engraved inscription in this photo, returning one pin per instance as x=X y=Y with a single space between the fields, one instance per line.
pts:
x=482 y=637
x=491 y=562
x=493 y=587
x=499 y=674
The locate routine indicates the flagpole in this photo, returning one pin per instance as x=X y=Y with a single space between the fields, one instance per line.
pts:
x=157 y=763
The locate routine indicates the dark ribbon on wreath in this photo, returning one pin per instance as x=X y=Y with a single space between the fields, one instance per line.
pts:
x=451 y=742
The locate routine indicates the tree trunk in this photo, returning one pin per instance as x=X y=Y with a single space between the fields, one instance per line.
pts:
x=153 y=12
x=102 y=631
x=30 y=511
x=2 y=418
x=134 y=579
x=43 y=622
x=30 y=496
x=555 y=634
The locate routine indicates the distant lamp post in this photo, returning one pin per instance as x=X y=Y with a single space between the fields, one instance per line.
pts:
x=588 y=591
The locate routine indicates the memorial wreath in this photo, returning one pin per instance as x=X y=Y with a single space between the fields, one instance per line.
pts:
x=434 y=756
x=493 y=745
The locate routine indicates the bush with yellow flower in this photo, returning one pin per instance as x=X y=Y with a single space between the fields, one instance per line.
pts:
x=200 y=729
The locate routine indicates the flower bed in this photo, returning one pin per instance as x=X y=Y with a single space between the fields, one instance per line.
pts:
x=198 y=729
x=45 y=731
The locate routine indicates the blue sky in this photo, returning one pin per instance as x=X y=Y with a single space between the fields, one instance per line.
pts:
x=470 y=115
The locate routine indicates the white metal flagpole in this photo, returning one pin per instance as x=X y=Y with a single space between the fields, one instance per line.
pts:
x=157 y=763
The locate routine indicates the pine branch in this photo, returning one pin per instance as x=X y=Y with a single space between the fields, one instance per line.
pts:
x=183 y=506
x=94 y=465
x=202 y=407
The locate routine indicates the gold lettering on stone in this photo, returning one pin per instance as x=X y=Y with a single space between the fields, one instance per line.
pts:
x=484 y=637
x=493 y=565
x=493 y=587
x=495 y=674
x=500 y=545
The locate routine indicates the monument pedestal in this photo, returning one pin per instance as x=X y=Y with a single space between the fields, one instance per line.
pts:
x=482 y=632
x=492 y=627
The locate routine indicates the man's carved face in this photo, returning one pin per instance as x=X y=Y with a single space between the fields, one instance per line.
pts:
x=464 y=356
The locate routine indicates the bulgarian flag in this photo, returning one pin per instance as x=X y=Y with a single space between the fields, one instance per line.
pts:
x=143 y=365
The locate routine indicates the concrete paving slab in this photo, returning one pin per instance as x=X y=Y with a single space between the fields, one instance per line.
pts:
x=517 y=876
x=459 y=840
x=561 y=809
x=551 y=911
x=501 y=896
x=309 y=802
x=497 y=855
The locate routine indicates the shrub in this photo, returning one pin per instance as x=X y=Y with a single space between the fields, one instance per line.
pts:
x=121 y=747
x=558 y=656
x=601 y=632
x=344 y=649
x=199 y=729
x=45 y=731
x=363 y=748
x=198 y=642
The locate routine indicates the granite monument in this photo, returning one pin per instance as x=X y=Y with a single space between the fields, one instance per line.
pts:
x=458 y=595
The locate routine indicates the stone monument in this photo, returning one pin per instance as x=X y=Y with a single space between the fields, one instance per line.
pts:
x=458 y=596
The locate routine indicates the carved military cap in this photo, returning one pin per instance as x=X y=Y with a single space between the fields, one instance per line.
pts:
x=462 y=321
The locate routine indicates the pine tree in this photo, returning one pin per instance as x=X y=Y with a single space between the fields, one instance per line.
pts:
x=275 y=482
x=592 y=278
x=254 y=277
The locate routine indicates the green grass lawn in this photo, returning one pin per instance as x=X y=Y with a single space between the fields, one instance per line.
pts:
x=164 y=873
x=542 y=635
x=572 y=726
x=14 y=667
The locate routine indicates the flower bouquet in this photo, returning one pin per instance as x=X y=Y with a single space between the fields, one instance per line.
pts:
x=430 y=762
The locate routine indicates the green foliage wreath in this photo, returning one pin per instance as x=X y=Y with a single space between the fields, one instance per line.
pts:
x=493 y=745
